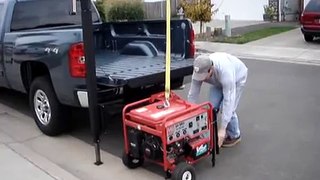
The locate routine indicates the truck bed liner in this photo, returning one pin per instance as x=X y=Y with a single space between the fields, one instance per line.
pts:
x=119 y=70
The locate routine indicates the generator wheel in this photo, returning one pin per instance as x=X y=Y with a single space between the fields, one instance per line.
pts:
x=131 y=162
x=184 y=171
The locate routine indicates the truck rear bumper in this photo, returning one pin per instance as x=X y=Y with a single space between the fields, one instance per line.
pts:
x=104 y=94
x=83 y=98
x=107 y=93
x=312 y=32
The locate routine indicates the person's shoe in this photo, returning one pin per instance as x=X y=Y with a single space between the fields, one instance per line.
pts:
x=228 y=142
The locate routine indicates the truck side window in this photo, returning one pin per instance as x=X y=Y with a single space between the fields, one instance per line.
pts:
x=45 y=13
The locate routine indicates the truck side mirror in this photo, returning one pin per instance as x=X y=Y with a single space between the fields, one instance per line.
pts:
x=73 y=7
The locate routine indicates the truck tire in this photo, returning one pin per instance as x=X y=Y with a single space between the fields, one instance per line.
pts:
x=50 y=116
x=308 y=38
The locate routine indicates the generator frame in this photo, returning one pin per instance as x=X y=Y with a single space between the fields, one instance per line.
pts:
x=159 y=129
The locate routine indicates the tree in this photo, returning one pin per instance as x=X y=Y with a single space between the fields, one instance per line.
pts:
x=197 y=10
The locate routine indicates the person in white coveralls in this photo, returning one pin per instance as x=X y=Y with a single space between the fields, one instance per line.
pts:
x=227 y=76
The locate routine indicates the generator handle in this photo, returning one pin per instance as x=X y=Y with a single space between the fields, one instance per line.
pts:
x=173 y=96
x=159 y=96
x=130 y=106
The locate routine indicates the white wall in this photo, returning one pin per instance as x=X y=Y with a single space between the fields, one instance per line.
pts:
x=291 y=7
x=240 y=9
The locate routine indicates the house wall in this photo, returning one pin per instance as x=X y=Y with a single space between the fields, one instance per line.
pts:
x=240 y=10
x=290 y=9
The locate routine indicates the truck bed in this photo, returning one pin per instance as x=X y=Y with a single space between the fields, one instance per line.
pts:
x=116 y=70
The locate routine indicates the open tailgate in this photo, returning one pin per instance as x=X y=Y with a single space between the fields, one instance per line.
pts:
x=116 y=70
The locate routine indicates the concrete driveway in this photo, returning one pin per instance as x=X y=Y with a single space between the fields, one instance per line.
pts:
x=292 y=39
x=279 y=114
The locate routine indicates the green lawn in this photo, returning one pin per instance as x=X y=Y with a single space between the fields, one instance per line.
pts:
x=251 y=36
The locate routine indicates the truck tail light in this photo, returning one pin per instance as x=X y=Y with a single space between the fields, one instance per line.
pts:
x=192 y=45
x=77 y=60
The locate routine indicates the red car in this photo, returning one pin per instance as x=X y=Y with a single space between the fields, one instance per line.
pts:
x=310 y=20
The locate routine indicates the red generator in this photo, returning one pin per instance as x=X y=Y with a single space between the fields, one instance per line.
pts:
x=175 y=135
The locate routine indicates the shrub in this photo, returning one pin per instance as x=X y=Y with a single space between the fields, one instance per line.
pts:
x=101 y=9
x=270 y=11
x=126 y=10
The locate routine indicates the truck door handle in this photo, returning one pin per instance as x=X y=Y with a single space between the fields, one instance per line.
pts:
x=9 y=61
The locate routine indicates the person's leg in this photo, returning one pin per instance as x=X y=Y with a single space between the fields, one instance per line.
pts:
x=233 y=129
x=215 y=96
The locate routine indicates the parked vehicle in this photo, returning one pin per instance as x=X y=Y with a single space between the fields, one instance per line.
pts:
x=310 y=20
x=42 y=54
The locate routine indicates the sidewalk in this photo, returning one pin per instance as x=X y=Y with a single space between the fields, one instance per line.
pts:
x=285 y=47
x=25 y=153
x=267 y=53
x=241 y=27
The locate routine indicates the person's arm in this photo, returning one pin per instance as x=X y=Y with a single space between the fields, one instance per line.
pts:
x=229 y=96
x=193 y=95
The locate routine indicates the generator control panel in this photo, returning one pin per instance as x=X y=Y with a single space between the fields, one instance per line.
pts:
x=188 y=128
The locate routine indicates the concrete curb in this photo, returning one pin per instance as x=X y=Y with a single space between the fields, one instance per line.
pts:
x=276 y=54
x=282 y=60
x=310 y=62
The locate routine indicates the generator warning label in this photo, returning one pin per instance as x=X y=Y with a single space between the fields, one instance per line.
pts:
x=201 y=149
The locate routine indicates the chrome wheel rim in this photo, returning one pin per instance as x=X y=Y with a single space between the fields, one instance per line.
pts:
x=42 y=107
x=187 y=175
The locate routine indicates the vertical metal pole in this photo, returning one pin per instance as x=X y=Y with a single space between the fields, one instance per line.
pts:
x=279 y=10
x=227 y=29
x=91 y=75
x=215 y=116
x=161 y=9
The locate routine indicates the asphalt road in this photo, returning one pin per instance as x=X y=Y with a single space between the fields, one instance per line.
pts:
x=279 y=115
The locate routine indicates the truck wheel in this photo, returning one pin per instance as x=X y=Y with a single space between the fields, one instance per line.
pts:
x=49 y=115
x=184 y=171
x=131 y=162
x=308 y=38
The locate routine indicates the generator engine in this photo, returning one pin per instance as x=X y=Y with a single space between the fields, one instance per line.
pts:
x=174 y=137
x=152 y=147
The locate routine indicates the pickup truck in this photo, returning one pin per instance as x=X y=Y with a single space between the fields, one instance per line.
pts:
x=42 y=55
